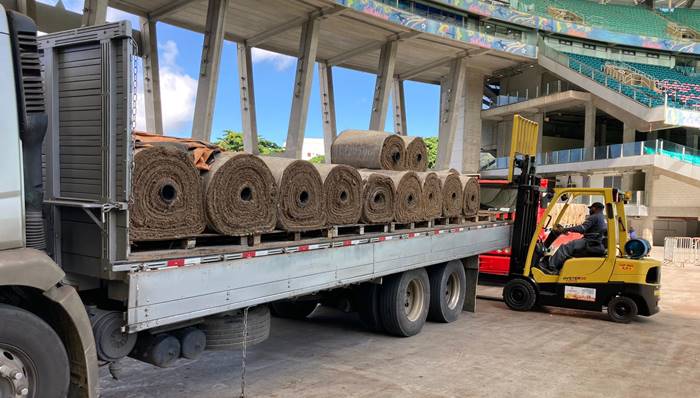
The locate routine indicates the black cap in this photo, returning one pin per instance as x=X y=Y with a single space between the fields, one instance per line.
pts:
x=596 y=205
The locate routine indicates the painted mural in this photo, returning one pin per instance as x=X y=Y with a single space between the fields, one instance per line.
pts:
x=423 y=24
x=570 y=29
x=682 y=117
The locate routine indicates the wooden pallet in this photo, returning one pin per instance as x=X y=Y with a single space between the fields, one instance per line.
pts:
x=359 y=229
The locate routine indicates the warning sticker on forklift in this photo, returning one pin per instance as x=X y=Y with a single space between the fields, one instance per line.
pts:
x=579 y=293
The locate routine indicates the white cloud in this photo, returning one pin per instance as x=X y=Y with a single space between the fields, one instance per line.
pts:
x=114 y=15
x=280 y=61
x=178 y=91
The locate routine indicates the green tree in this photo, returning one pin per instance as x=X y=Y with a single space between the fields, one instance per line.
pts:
x=432 y=144
x=233 y=141
x=318 y=159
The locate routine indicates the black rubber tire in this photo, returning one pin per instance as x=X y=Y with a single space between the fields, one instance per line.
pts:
x=392 y=303
x=446 y=304
x=293 y=309
x=519 y=295
x=622 y=309
x=365 y=300
x=225 y=331
x=37 y=341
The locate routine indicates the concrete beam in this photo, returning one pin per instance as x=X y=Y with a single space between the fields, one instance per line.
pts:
x=325 y=80
x=450 y=92
x=169 y=8
x=308 y=46
x=260 y=38
x=369 y=47
x=247 y=95
x=589 y=130
x=382 y=88
x=151 y=76
x=209 y=69
x=399 y=100
x=27 y=7
x=94 y=12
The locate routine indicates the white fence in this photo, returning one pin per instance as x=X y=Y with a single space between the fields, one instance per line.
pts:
x=682 y=251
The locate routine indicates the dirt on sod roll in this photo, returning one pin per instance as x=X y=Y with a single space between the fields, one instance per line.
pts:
x=166 y=195
x=240 y=195
x=451 y=193
x=377 y=198
x=432 y=194
x=342 y=188
x=408 y=195
x=369 y=149
x=301 y=204
x=416 y=153
x=471 y=201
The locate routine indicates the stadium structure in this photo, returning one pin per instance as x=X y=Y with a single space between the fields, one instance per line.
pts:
x=615 y=85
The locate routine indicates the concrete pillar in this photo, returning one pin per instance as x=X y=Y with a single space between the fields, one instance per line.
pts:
x=247 y=96
x=308 y=45
x=399 y=100
x=209 y=69
x=539 y=118
x=450 y=92
x=151 y=76
x=94 y=12
x=647 y=223
x=628 y=133
x=27 y=7
x=589 y=130
x=603 y=134
x=691 y=139
x=471 y=142
x=325 y=79
x=382 y=87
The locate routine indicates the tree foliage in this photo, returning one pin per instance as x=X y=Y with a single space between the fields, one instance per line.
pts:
x=432 y=144
x=318 y=159
x=233 y=141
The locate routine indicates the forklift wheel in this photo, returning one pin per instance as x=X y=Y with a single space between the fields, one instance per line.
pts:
x=519 y=295
x=622 y=309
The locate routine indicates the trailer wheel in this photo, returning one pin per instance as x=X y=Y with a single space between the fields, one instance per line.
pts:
x=365 y=301
x=33 y=360
x=519 y=295
x=622 y=309
x=225 y=331
x=293 y=309
x=404 y=300
x=448 y=284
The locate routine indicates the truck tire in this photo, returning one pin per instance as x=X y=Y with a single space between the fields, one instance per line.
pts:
x=403 y=302
x=622 y=309
x=293 y=309
x=448 y=285
x=365 y=300
x=519 y=295
x=32 y=356
x=225 y=331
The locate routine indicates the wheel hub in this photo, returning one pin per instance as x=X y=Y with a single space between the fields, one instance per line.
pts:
x=413 y=303
x=15 y=376
x=452 y=291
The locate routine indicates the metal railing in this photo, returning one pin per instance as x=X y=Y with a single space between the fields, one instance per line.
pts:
x=513 y=97
x=682 y=251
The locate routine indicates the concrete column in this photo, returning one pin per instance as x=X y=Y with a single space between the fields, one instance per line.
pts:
x=94 y=12
x=209 y=69
x=647 y=223
x=308 y=45
x=325 y=79
x=471 y=143
x=539 y=118
x=399 y=99
x=27 y=7
x=589 y=130
x=691 y=139
x=450 y=92
x=382 y=87
x=603 y=134
x=151 y=76
x=247 y=96
x=628 y=133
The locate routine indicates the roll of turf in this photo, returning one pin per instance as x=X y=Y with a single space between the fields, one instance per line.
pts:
x=342 y=189
x=451 y=193
x=408 y=195
x=377 y=198
x=369 y=149
x=240 y=195
x=301 y=204
x=416 y=153
x=166 y=195
x=432 y=194
x=471 y=201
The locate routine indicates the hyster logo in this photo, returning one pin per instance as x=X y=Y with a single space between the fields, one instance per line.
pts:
x=626 y=267
x=574 y=278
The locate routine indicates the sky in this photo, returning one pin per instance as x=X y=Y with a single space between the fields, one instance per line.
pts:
x=179 y=56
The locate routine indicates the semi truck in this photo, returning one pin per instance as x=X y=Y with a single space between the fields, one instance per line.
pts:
x=77 y=293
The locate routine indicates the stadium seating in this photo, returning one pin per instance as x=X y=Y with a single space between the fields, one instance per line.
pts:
x=635 y=20
x=685 y=16
x=680 y=87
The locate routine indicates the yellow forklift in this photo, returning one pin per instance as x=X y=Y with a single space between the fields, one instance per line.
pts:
x=623 y=280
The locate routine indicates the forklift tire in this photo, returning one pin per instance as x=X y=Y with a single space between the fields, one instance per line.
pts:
x=448 y=284
x=404 y=300
x=519 y=295
x=293 y=309
x=365 y=300
x=33 y=357
x=622 y=309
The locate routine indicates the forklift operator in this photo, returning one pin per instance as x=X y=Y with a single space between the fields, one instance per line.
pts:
x=594 y=230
